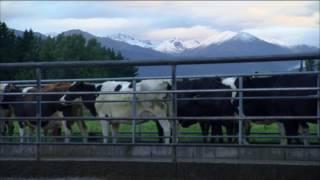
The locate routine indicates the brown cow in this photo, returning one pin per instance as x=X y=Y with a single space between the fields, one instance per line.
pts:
x=48 y=109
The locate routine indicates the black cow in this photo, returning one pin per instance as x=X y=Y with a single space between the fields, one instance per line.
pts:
x=282 y=107
x=207 y=107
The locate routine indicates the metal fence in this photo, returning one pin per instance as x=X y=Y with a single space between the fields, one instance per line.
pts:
x=134 y=136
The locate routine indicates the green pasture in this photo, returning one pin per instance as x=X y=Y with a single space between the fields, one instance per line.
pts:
x=148 y=132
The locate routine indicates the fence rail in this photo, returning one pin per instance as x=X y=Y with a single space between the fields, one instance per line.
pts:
x=159 y=62
x=39 y=67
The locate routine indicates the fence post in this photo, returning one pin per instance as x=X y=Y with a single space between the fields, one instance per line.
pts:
x=241 y=114
x=39 y=113
x=174 y=112
x=134 y=111
x=318 y=106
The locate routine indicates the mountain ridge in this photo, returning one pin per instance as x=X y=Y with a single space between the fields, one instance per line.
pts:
x=229 y=45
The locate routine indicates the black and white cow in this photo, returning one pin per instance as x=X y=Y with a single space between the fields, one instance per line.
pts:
x=205 y=106
x=123 y=109
x=281 y=107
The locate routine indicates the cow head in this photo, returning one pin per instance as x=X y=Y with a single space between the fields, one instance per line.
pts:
x=9 y=88
x=78 y=87
x=68 y=99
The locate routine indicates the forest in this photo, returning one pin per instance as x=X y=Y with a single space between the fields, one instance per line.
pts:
x=31 y=47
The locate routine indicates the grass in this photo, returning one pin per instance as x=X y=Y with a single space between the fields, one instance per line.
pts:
x=148 y=132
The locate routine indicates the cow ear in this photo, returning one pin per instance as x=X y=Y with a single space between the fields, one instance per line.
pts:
x=80 y=83
x=169 y=87
x=10 y=87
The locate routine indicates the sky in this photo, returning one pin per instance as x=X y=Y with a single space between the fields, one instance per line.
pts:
x=283 y=22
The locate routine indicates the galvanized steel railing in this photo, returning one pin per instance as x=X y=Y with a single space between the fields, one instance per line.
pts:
x=41 y=66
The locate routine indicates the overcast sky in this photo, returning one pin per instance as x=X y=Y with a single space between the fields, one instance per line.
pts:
x=287 y=22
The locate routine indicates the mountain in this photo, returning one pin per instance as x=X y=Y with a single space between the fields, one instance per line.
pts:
x=303 y=49
x=176 y=46
x=131 y=40
x=241 y=44
x=171 y=46
x=225 y=44
x=233 y=44
x=129 y=51
x=216 y=39
x=84 y=34
x=19 y=33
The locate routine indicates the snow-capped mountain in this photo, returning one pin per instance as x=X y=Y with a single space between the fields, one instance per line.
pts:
x=244 y=37
x=131 y=40
x=219 y=38
x=176 y=45
x=238 y=44
x=52 y=34
x=171 y=46
x=191 y=44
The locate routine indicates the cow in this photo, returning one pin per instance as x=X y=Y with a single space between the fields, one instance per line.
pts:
x=280 y=107
x=6 y=127
x=27 y=109
x=204 y=106
x=122 y=109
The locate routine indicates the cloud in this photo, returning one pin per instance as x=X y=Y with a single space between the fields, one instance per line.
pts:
x=288 y=35
x=97 y=26
x=165 y=19
x=195 y=32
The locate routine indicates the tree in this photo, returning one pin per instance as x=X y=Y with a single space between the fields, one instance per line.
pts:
x=30 y=47
x=310 y=65
x=7 y=43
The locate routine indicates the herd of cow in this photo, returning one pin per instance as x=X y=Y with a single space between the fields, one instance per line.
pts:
x=114 y=101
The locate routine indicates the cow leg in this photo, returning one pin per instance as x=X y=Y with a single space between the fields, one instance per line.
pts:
x=296 y=133
x=205 y=131
x=165 y=124
x=56 y=131
x=76 y=110
x=231 y=129
x=10 y=124
x=160 y=132
x=83 y=130
x=247 y=129
x=216 y=130
x=114 y=132
x=21 y=131
x=291 y=130
x=229 y=133
x=104 y=127
x=21 y=134
x=305 y=132
x=282 y=131
x=67 y=132
x=178 y=132
x=31 y=130
x=3 y=128
x=10 y=128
